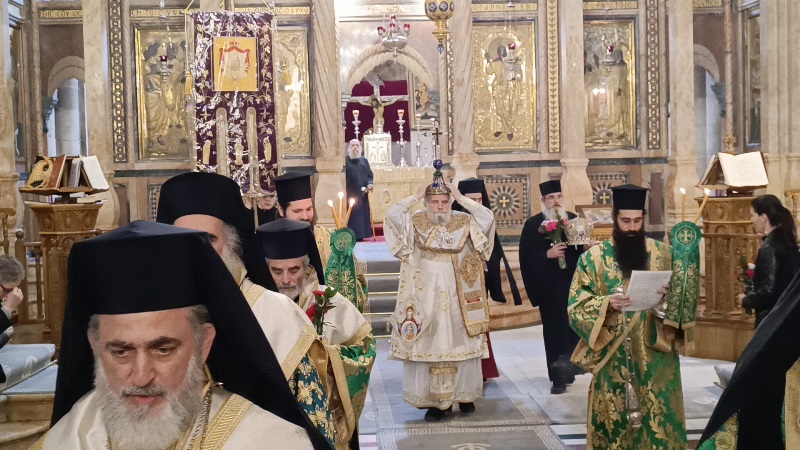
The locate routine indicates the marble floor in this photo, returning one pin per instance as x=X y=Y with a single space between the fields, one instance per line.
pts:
x=520 y=399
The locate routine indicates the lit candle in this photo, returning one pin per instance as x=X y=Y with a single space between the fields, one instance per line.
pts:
x=335 y=218
x=400 y=112
x=350 y=204
x=418 y=117
x=702 y=205
x=683 y=205
x=341 y=207
x=355 y=114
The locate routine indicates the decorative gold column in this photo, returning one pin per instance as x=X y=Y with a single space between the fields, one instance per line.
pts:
x=681 y=170
x=574 y=182
x=780 y=109
x=723 y=331
x=99 y=129
x=464 y=160
x=327 y=133
x=61 y=226
x=9 y=196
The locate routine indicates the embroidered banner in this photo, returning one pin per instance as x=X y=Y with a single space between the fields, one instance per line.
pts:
x=230 y=62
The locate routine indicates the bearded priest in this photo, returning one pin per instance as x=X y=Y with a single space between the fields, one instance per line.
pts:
x=635 y=397
x=442 y=311
x=153 y=326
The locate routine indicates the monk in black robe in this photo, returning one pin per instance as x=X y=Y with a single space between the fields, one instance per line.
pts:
x=359 y=186
x=548 y=285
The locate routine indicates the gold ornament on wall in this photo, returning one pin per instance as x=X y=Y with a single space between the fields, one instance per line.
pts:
x=440 y=11
x=292 y=101
x=504 y=90
x=160 y=94
x=610 y=84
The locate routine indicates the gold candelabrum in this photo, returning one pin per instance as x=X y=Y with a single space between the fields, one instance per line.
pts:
x=632 y=405
x=440 y=11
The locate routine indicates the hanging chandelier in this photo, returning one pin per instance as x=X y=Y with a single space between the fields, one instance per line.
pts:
x=440 y=11
x=394 y=38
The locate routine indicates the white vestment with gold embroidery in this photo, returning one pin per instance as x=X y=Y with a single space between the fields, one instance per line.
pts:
x=234 y=424
x=436 y=330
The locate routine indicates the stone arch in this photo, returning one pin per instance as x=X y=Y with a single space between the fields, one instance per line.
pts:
x=65 y=69
x=705 y=59
x=377 y=54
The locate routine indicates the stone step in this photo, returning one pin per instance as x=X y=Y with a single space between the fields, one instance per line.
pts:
x=383 y=283
x=382 y=303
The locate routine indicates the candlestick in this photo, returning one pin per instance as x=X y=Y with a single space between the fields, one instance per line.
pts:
x=335 y=217
x=400 y=112
x=400 y=123
x=702 y=205
x=341 y=207
x=418 y=145
x=351 y=202
x=683 y=205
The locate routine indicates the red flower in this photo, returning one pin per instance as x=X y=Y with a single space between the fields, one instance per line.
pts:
x=552 y=226
x=319 y=293
x=311 y=312
x=751 y=273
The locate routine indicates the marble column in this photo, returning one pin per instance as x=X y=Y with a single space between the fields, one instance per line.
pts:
x=574 y=182
x=780 y=94
x=464 y=160
x=98 y=100
x=68 y=119
x=327 y=132
x=10 y=199
x=681 y=169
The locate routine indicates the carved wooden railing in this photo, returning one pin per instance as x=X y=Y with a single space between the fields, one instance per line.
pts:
x=33 y=308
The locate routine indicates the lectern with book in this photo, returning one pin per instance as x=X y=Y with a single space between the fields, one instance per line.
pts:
x=62 y=223
x=723 y=329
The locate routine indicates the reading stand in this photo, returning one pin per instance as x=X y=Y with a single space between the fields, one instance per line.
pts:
x=723 y=329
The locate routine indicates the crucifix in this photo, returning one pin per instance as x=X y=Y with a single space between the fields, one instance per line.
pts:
x=436 y=133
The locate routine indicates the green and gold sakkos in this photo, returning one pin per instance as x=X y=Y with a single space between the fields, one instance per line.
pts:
x=601 y=352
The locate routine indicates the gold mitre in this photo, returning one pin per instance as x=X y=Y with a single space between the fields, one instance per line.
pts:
x=579 y=231
x=437 y=187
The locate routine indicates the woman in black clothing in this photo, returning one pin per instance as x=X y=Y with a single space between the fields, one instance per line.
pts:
x=778 y=259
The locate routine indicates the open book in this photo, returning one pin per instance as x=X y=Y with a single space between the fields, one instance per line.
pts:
x=64 y=175
x=744 y=172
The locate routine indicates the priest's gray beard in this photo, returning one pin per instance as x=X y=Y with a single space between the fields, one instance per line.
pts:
x=136 y=428
x=550 y=213
x=439 y=218
x=290 y=290
x=230 y=251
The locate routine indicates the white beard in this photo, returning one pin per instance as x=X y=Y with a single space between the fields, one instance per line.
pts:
x=550 y=213
x=440 y=218
x=290 y=291
x=232 y=261
x=135 y=428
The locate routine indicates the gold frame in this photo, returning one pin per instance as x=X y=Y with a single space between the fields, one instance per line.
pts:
x=523 y=126
x=295 y=41
x=142 y=37
x=607 y=28
x=751 y=29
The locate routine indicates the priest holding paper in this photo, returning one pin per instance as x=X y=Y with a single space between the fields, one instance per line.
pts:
x=635 y=398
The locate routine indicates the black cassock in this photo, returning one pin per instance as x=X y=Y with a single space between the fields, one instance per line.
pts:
x=548 y=288
x=359 y=175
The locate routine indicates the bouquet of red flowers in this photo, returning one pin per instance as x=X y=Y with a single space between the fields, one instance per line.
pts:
x=746 y=276
x=553 y=230
x=322 y=304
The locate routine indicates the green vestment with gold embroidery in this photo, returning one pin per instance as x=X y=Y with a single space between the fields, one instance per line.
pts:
x=601 y=352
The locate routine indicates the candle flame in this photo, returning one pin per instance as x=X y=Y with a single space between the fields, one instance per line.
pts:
x=341 y=195
x=683 y=191
x=707 y=191
x=352 y=201
x=330 y=203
